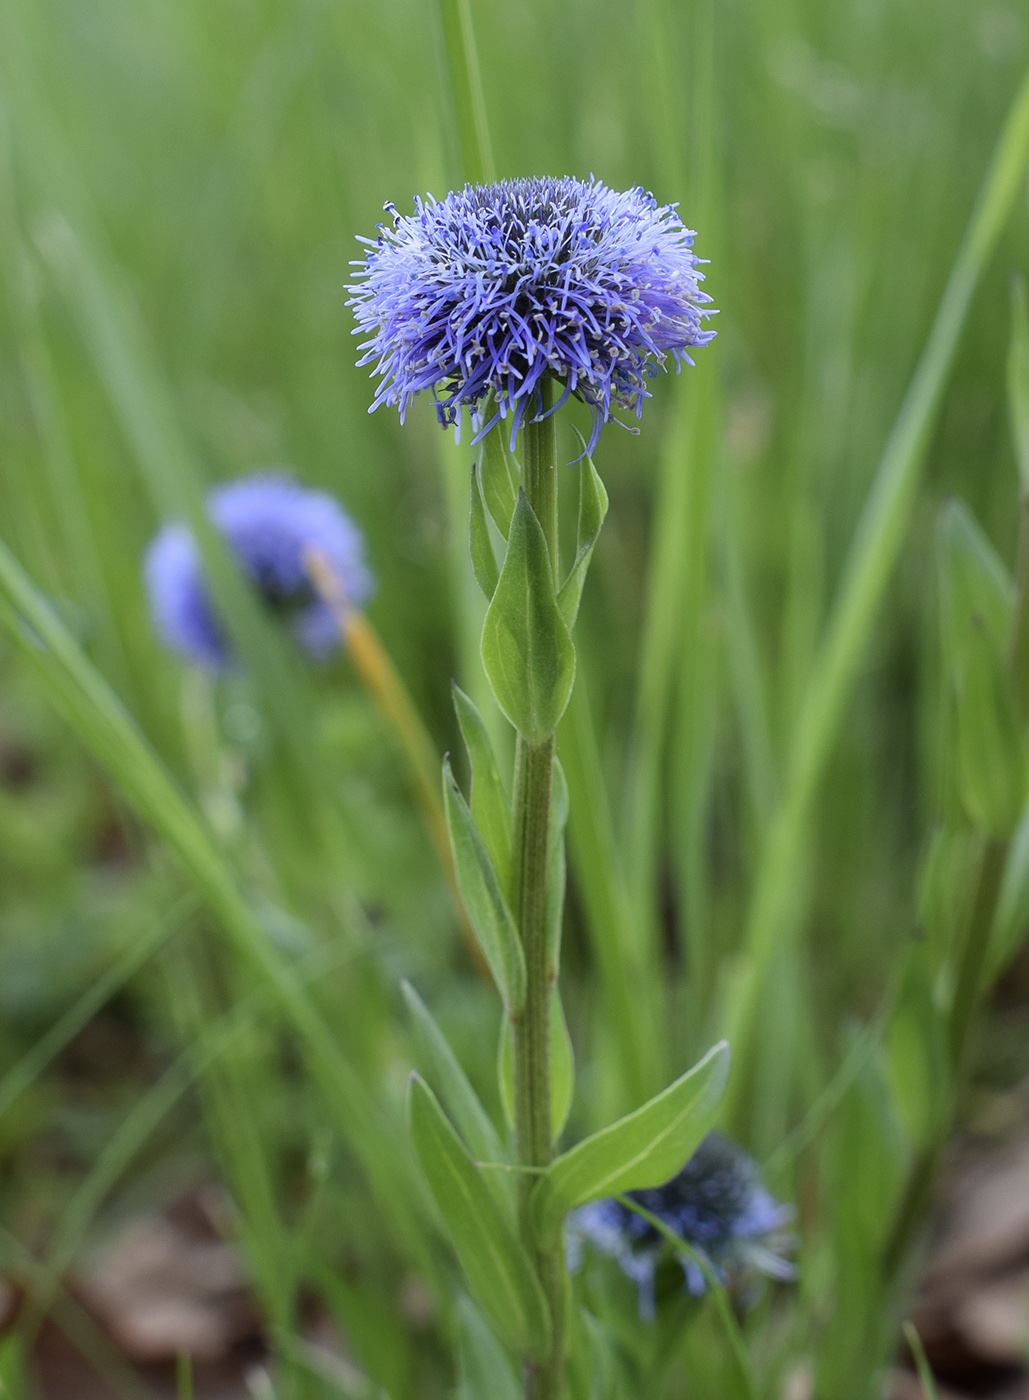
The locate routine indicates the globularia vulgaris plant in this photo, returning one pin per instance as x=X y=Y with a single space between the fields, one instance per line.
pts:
x=507 y=300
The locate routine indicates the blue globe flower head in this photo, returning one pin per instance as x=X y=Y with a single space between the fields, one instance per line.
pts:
x=268 y=521
x=717 y=1204
x=482 y=295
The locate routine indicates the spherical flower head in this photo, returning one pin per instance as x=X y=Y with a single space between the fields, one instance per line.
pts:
x=268 y=521
x=480 y=296
x=717 y=1204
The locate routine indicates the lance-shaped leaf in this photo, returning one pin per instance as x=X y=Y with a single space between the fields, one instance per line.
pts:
x=593 y=1373
x=499 y=474
x=499 y=1272
x=992 y=772
x=483 y=897
x=973 y=581
x=451 y=1083
x=526 y=648
x=484 y=561
x=491 y=810
x=592 y=510
x=645 y=1149
x=976 y=608
x=556 y=868
x=562 y=1068
x=917 y=1063
x=484 y=1367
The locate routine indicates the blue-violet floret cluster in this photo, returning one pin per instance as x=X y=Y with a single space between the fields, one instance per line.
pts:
x=480 y=295
x=717 y=1204
x=269 y=522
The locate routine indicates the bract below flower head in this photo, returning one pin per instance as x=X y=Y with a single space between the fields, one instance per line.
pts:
x=481 y=295
x=717 y=1204
x=268 y=521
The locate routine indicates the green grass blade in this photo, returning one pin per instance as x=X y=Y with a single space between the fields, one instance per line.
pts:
x=32 y=1064
x=102 y=723
x=925 y=1374
x=467 y=91
x=876 y=545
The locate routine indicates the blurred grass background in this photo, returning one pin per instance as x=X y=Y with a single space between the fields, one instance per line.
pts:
x=180 y=186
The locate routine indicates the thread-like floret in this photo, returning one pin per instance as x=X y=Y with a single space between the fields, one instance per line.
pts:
x=480 y=295
x=268 y=522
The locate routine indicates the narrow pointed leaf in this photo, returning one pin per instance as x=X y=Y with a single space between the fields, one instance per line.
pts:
x=485 y=1369
x=992 y=771
x=562 y=1067
x=451 y=1083
x=976 y=609
x=499 y=1272
x=592 y=510
x=642 y=1150
x=484 y=561
x=483 y=898
x=526 y=648
x=491 y=810
x=499 y=475
x=917 y=1063
x=973 y=580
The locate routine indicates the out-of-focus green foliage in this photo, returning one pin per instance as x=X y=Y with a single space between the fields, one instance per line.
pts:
x=181 y=182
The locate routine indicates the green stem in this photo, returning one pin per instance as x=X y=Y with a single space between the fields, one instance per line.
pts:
x=534 y=772
x=533 y=780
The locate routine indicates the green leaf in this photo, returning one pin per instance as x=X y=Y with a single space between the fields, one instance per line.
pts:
x=992 y=771
x=562 y=1068
x=500 y=476
x=77 y=689
x=484 y=561
x=1012 y=916
x=592 y=1371
x=556 y=868
x=499 y=1272
x=484 y=1367
x=491 y=810
x=483 y=898
x=976 y=609
x=592 y=510
x=452 y=1084
x=642 y=1150
x=526 y=648
x=973 y=580
x=1018 y=379
x=917 y=1065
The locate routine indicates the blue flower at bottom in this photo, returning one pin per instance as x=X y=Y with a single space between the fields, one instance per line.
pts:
x=717 y=1204
x=268 y=521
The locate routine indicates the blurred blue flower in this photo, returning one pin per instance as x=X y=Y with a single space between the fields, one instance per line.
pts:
x=717 y=1204
x=486 y=291
x=268 y=521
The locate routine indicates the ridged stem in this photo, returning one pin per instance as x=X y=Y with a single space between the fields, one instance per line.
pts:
x=534 y=772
